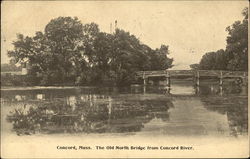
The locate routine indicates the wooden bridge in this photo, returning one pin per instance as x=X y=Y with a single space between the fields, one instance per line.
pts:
x=196 y=74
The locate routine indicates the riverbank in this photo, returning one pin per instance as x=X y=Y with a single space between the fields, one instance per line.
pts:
x=42 y=87
x=175 y=81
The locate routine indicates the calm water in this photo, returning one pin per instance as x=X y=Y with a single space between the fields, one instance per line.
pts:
x=182 y=110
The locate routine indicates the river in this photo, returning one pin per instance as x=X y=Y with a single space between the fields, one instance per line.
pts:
x=204 y=117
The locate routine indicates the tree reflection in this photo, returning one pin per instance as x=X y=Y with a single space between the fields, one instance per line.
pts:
x=235 y=108
x=228 y=89
x=88 y=116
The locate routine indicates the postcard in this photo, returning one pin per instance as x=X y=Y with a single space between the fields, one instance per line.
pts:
x=124 y=79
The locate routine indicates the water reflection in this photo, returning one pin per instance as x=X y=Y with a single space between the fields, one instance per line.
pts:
x=235 y=110
x=20 y=98
x=40 y=96
x=191 y=90
x=175 y=89
x=87 y=116
x=179 y=109
x=183 y=90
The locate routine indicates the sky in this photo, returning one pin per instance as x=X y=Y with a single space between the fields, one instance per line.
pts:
x=189 y=28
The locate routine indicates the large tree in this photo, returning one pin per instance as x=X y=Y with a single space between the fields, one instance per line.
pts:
x=237 y=44
x=55 y=54
x=65 y=35
x=235 y=56
x=70 y=52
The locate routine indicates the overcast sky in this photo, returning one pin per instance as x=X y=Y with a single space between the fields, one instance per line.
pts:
x=189 y=28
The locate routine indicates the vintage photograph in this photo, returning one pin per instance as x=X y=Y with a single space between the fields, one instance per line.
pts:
x=124 y=79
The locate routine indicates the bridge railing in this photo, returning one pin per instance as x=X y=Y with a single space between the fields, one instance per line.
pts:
x=216 y=73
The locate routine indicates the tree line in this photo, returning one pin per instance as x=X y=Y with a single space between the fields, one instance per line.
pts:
x=71 y=53
x=235 y=56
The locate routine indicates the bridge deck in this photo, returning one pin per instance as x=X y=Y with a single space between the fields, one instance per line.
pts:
x=193 y=73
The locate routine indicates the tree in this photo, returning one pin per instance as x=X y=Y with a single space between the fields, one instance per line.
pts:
x=214 y=61
x=101 y=56
x=69 y=52
x=52 y=55
x=65 y=35
x=159 y=59
x=195 y=66
x=235 y=57
x=237 y=44
x=32 y=50
x=126 y=52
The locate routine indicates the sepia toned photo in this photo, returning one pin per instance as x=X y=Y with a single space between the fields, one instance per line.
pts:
x=124 y=79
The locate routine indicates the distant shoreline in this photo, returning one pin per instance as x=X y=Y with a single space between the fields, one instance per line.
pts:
x=6 y=88
x=13 y=88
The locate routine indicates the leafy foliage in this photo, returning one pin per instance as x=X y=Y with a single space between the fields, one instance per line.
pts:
x=214 y=61
x=235 y=57
x=195 y=66
x=69 y=52
x=237 y=44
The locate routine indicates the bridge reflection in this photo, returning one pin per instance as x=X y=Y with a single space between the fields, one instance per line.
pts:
x=177 y=89
x=71 y=96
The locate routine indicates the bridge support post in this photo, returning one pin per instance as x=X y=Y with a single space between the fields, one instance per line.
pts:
x=168 y=79
x=221 y=78
x=197 y=90
x=144 y=82
x=144 y=79
x=198 y=79
x=221 y=82
x=221 y=91
x=168 y=90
